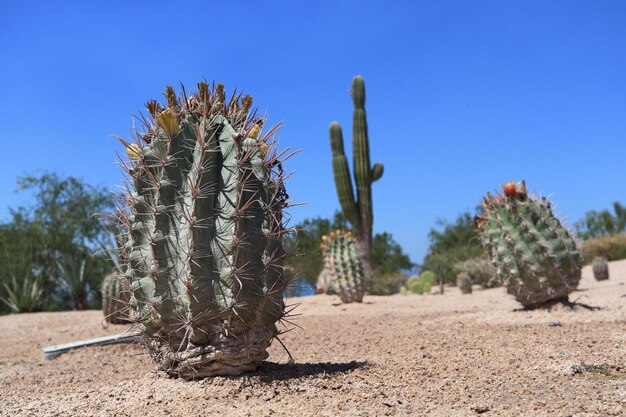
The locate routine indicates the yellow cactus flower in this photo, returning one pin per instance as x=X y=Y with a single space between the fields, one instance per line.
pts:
x=168 y=122
x=331 y=235
x=264 y=148
x=134 y=151
x=254 y=132
x=324 y=238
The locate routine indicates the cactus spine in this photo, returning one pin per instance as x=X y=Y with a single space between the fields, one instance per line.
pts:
x=115 y=298
x=358 y=211
x=203 y=234
x=464 y=282
x=343 y=266
x=534 y=255
x=600 y=268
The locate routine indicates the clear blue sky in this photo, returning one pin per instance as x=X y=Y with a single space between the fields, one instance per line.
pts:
x=461 y=95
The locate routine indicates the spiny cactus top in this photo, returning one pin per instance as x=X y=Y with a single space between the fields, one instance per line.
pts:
x=203 y=223
x=343 y=266
x=534 y=255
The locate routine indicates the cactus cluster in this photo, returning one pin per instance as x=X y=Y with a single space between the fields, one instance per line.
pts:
x=421 y=284
x=464 y=282
x=357 y=210
x=115 y=297
x=600 y=268
x=533 y=253
x=344 y=269
x=203 y=225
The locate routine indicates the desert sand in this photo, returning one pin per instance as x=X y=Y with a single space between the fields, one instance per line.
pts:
x=441 y=355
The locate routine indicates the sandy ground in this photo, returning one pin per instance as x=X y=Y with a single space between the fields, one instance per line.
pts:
x=409 y=356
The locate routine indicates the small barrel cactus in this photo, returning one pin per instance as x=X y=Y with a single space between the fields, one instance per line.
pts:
x=343 y=266
x=533 y=253
x=115 y=298
x=416 y=285
x=203 y=233
x=600 y=268
x=429 y=279
x=464 y=282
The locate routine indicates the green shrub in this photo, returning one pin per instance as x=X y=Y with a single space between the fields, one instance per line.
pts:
x=387 y=283
x=612 y=248
x=24 y=296
x=480 y=270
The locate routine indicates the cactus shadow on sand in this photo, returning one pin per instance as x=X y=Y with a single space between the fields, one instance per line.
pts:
x=554 y=304
x=271 y=371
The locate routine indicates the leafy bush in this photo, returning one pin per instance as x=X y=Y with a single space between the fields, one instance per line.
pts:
x=602 y=223
x=611 y=247
x=480 y=270
x=451 y=243
x=387 y=283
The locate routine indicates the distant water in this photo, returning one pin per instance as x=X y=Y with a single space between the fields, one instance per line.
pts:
x=300 y=289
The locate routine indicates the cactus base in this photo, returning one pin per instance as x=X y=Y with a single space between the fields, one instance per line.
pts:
x=243 y=350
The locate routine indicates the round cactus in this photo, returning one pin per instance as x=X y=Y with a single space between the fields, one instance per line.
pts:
x=343 y=266
x=600 y=268
x=429 y=279
x=203 y=233
x=115 y=296
x=416 y=285
x=534 y=255
x=464 y=282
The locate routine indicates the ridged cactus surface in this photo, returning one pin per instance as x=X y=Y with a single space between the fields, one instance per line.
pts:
x=204 y=228
x=357 y=209
x=600 y=268
x=115 y=298
x=344 y=267
x=533 y=253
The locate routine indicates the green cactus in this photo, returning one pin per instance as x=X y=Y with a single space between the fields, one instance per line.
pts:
x=464 y=282
x=429 y=279
x=600 y=268
x=358 y=210
x=416 y=285
x=203 y=222
x=115 y=297
x=534 y=255
x=344 y=267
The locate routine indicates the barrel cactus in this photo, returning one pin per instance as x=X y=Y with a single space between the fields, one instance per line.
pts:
x=533 y=253
x=416 y=285
x=343 y=266
x=464 y=282
x=429 y=279
x=203 y=233
x=600 y=268
x=115 y=297
x=357 y=209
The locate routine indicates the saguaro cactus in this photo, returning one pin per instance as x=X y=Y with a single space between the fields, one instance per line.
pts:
x=534 y=255
x=343 y=266
x=358 y=210
x=203 y=222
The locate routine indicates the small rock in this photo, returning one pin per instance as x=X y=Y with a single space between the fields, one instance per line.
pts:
x=555 y=323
